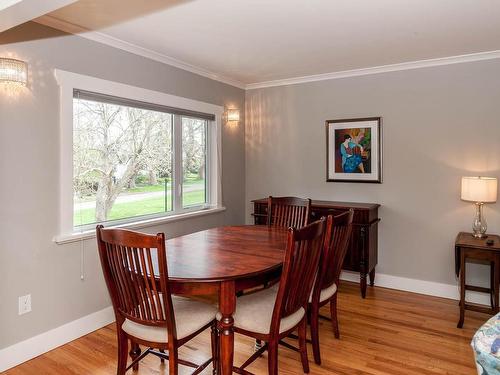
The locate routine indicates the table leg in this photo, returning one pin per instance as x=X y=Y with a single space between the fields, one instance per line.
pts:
x=227 y=305
x=135 y=351
x=462 y=289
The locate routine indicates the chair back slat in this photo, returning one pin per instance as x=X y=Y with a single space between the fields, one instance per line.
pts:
x=135 y=269
x=302 y=255
x=337 y=237
x=288 y=212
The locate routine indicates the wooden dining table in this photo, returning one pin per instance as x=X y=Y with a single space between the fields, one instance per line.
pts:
x=223 y=261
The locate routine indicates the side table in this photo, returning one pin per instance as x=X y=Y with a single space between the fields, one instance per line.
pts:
x=468 y=247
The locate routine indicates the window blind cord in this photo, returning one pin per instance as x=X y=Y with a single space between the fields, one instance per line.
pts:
x=82 y=260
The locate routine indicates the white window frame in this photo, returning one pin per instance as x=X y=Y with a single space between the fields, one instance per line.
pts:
x=68 y=82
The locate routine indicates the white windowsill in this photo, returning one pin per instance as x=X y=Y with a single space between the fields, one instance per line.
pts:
x=74 y=237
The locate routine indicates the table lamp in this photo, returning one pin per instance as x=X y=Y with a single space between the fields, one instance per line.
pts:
x=479 y=190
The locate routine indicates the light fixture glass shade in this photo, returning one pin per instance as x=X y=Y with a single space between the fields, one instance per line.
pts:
x=479 y=189
x=13 y=71
x=233 y=115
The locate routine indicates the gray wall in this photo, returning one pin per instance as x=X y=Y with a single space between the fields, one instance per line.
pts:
x=438 y=124
x=29 y=141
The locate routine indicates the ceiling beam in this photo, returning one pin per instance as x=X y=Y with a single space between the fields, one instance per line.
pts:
x=16 y=12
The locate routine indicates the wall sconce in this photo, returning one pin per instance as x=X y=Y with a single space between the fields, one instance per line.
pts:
x=233 y=115
x=13 y=71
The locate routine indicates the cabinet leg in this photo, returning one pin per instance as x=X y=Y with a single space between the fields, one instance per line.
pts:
x=363 y=284
x=372 y=277
x=362 y=263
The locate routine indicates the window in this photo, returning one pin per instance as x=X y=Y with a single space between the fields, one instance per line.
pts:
x=194 y=186
x=124 y=159
x=138 y=158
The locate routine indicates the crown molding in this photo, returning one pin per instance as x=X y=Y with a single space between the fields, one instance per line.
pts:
x=145 y=52
x=99 y=37
x=489 y=55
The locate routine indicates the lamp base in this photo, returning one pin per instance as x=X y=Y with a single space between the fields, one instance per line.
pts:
x=479 y=225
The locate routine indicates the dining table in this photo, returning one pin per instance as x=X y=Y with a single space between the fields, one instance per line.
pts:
x=222 y=262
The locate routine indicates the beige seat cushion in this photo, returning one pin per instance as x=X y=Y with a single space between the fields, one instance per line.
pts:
x=190 y=316
x=254 y=313
x=325 y=293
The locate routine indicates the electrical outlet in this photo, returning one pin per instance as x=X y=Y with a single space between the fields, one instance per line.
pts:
x=24 y=304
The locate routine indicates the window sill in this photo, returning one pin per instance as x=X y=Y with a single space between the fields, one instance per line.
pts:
x=74 y=237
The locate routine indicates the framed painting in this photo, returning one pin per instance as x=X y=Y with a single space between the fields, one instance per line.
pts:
x=354 y=150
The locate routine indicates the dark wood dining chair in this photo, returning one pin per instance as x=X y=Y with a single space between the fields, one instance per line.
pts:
x=337 y=236
x=135 y=271
x=272 y=314
x=284 y=212
x=288 y=211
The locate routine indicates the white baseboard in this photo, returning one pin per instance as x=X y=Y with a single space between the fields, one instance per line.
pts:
x=44 y=342
x=35 y=346
x=429 y=288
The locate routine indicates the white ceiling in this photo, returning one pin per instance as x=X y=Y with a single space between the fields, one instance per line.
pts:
x=252 y=41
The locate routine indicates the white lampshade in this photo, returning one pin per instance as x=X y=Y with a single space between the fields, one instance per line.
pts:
x=479 y=189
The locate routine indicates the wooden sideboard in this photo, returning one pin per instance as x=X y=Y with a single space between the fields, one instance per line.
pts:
x=363 y=248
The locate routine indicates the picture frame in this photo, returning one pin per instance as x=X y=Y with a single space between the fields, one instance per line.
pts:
x=354 y=150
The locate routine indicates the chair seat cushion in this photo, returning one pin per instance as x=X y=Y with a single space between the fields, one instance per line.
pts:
x=323 y=296
x=190 y=316
x=325 y=293
x=254 y=313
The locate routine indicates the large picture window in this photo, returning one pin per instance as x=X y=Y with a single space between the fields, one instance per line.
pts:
x=134 y=159
x=124 y=159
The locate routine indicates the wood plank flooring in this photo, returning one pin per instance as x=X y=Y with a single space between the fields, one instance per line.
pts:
x=390 y=332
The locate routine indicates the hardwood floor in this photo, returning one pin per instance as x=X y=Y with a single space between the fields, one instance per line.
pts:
x=390 y=332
